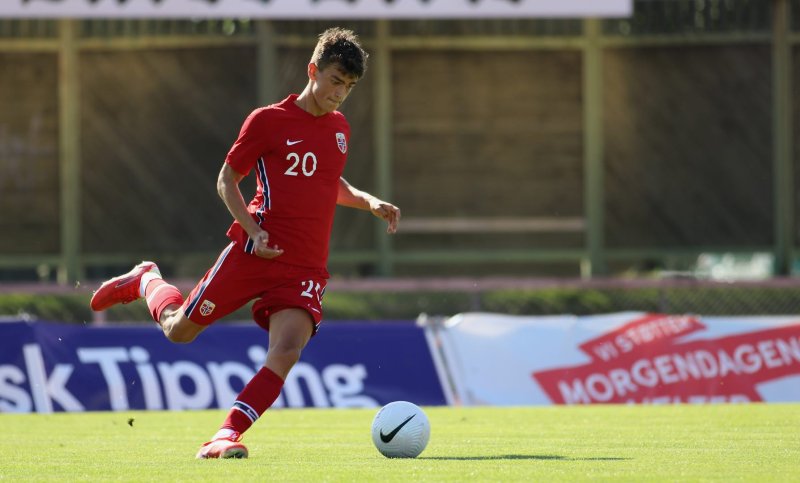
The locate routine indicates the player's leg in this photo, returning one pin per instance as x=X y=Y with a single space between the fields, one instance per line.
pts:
x=289 y=332
x=290 y=309
x=163 y=300
x=165 y=303
x=225 y=283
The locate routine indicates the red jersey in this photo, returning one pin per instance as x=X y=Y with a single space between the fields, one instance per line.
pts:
x=298 y=160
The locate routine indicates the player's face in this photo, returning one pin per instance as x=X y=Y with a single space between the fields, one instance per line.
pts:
x=331 y=87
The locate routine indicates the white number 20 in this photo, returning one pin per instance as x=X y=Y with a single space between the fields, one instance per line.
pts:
x=308 y=165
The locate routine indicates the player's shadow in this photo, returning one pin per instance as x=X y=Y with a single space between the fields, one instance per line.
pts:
x=524 y=457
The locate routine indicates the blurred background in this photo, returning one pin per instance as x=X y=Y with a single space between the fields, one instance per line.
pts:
x=570 y=165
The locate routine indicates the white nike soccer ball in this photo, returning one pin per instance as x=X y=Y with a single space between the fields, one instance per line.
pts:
x=401 y=430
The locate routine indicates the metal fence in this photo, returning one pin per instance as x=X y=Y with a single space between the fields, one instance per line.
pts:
x=540 y=243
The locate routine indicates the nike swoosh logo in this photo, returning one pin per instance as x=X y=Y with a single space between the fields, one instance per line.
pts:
x=292 y=143
x=122 y=283
x=388 y=437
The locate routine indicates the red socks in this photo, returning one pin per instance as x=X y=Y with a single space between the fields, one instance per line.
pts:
x=160 y=295
x=258 y=395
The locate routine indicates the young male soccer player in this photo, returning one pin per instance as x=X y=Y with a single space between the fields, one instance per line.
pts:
x=279 y=242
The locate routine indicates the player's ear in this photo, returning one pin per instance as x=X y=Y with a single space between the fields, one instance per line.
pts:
x=312 y=71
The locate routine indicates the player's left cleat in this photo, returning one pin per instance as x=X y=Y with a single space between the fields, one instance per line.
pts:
x=223 y=448
x=123 y=289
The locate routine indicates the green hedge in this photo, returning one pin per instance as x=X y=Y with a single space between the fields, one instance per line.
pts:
x=340 y=306
x=704 y=300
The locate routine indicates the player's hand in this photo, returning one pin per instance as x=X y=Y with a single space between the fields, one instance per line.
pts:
x=262 y=248
x=386 y=211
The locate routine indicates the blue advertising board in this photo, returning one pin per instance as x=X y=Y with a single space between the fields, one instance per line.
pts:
x=47 y=367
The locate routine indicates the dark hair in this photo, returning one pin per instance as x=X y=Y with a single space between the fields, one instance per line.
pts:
x=340 y=46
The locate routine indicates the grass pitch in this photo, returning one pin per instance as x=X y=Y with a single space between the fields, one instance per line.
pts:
x=753 y=442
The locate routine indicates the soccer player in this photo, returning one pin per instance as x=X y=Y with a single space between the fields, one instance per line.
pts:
x=279 y=242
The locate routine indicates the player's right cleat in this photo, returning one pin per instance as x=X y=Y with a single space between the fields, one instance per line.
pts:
x=123 y=289
x=223 y=448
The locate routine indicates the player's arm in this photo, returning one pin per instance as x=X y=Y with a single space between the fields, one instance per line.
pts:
x=355 y=198
x=228 y=189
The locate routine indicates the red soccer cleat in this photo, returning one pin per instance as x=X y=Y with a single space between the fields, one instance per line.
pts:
x=123 y=289
x=223 y=448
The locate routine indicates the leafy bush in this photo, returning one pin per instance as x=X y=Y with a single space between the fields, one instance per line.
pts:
x=699 y=299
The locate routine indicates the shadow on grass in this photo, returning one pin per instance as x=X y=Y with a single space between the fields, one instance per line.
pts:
x=522 y=457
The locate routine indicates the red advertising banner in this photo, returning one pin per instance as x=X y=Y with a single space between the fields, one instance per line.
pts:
x=647 y=360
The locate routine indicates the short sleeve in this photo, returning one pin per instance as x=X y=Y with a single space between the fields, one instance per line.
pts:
x=251 y=143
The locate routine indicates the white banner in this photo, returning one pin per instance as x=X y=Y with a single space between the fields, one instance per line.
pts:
x=314 y=9
x=629 y=357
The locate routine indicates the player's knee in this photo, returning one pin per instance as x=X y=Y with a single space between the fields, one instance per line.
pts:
x=286 y=356
x=178 y=337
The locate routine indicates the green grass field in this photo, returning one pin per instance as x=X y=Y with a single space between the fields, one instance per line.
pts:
x=754 y=442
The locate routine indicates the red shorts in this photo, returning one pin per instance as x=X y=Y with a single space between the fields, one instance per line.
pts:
x=238 y=277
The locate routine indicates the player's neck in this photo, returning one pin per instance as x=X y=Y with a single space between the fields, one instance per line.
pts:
x=306 y=102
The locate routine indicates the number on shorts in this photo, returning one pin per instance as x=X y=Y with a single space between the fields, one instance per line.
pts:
x=312 y=289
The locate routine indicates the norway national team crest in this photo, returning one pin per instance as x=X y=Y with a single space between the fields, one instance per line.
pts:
x=341 y=141
x=206 y=308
